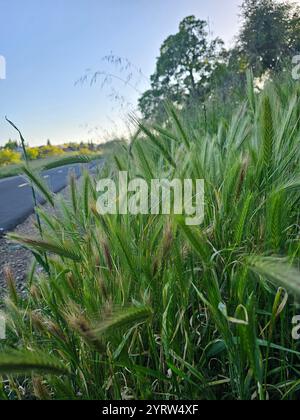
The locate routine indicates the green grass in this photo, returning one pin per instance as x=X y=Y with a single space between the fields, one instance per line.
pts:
x=146 y=307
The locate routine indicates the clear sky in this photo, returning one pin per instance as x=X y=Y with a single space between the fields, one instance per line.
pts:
x=49 y=44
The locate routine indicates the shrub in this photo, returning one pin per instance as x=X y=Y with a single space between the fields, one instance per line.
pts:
x=8 y=156
x=84 y=151
x=33 y=153
x=46 y=151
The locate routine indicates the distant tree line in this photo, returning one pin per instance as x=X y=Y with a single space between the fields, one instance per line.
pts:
x=11 y=152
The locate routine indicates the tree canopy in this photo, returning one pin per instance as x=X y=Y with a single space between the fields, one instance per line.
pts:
x=183 y=69
x=270 y=33
x=193 y=66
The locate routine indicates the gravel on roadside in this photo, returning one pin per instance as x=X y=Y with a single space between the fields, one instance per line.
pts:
x=17 y=258
x=14 y=256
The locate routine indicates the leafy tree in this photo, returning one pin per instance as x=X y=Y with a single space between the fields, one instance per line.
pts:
x=11 y=145
x=294 y=29
x=183 y=69
x=151 y=102
x=229 y=76
x=270 y=33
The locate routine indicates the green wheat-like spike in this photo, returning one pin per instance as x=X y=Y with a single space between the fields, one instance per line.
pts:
x=267 y=135
x=73 y=192
x=242 y=220
x=86 y=194
x=124 y=318
x=22 y=362
x=39 y=184
x=277 y=270
x=63 y=250
x=276 y=223
x=71 y=160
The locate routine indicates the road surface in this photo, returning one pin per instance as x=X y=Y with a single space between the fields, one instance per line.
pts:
x=16 y=202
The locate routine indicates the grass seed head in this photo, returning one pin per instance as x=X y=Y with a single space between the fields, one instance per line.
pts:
x=11 y=284
x=40 y=389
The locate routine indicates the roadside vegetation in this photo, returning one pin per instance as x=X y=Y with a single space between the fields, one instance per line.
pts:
x=12 y=160
x=145 y=307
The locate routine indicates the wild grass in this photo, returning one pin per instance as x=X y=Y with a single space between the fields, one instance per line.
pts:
x=147 y=307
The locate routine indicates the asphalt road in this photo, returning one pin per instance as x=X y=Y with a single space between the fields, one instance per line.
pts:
x=16 y=202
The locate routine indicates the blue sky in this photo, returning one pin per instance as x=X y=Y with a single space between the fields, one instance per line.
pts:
x=49 y=44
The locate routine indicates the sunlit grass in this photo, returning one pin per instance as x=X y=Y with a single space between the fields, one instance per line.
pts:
x=146 y=307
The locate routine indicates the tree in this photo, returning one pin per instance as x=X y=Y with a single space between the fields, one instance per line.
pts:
x=186 y=61
x=151 y=102
x=227 y=82
x=270 y=33
x=294 y=29
x=11 y=145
